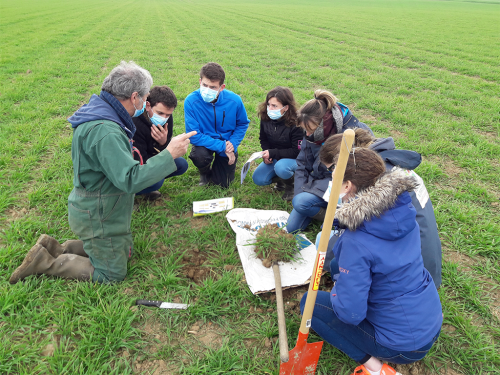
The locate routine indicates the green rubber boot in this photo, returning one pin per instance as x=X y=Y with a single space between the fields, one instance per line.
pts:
x=55 y=248
x=40 y=261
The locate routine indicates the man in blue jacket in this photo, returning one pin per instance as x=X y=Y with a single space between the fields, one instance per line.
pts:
x=220 y=120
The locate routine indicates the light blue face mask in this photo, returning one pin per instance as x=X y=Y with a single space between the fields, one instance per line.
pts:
x=208 y=94
x=274 y=114
x=139 y=112
x=158 y=120
x=339 y=202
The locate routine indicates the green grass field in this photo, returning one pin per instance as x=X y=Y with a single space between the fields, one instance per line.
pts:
x=424 y=72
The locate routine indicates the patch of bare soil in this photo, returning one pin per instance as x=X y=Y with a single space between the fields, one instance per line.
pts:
x=15 y=214
x=449 y=167
x=186 y=215
x=293 y=296
x=161 y=201
x=153 y=331
x=194 y=266
x=273 y=244
x=463 y=261
x=418 y=368
x=411 y=369
x=397 y=134
x=198 y=222
x=161 y=251
x=208 y=335
x=491 y=136
x=495 y=303
x=155 y=367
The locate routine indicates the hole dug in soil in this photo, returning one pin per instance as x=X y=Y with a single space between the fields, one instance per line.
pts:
x=194 y=268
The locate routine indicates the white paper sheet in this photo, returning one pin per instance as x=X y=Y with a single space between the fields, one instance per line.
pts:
x=246 y=166
x=259 y=278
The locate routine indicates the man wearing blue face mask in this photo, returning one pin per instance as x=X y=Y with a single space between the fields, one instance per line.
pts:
x=220 y=120
x=105 y=180
x=154 y=132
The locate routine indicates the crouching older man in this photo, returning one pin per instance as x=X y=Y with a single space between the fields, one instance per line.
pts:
x=106 y=178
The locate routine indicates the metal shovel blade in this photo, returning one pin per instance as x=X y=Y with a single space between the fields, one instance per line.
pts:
x=303 y=358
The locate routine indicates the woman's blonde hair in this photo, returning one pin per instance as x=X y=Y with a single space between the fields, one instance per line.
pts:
x=310 y=114
x=331 y=147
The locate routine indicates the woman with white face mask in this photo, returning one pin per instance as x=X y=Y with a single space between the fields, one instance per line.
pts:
x=279 y=139
x=384 y=306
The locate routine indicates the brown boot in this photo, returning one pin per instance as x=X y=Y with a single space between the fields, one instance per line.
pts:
x=51 y=244
x=74 y=247
x=55 y=248
x=39 y=261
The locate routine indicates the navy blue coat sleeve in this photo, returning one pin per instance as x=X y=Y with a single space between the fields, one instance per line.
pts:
x=350 y=301
x=301 y=174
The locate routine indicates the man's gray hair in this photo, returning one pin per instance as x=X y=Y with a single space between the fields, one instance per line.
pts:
x=127 y=78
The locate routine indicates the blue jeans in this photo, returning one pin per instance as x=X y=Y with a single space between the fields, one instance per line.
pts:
x=182 y=167
x=283 y=168
x=358 y=342
x=305 y=206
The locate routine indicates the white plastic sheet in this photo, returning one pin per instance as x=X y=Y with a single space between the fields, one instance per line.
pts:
x=245 y=222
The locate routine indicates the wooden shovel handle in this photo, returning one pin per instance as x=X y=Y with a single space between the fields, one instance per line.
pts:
x=281 y=314
x=338 y=178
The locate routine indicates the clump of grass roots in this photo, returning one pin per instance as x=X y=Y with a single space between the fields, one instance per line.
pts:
x=273 y=244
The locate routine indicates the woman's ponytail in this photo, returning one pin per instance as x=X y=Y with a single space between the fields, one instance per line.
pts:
x=327 y=97
x=311 y=113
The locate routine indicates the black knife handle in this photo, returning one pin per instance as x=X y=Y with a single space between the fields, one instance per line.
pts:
x=146 y=302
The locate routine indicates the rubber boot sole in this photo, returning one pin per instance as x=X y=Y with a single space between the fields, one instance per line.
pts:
x=30 y=257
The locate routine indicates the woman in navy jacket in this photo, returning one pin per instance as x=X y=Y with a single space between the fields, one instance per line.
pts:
x=320 y=117
x=384 y=305
x=408 y=160
x=279 y=139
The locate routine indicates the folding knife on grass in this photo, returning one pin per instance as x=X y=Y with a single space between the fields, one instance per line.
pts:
x=162 y=305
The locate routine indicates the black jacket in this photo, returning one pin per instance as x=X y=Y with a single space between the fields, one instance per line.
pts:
x=281 y=141
x=143 y=140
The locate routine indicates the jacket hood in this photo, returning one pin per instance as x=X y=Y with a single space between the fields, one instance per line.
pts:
x=383 y=210
x=405 y=159
x=383 y=144
x=96 y=109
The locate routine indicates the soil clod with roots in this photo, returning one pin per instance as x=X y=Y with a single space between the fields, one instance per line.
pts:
x=273 y=244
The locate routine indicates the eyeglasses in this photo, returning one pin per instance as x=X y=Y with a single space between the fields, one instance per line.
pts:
x=331 y=168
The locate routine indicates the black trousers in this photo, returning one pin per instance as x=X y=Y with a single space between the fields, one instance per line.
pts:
x=221 y=173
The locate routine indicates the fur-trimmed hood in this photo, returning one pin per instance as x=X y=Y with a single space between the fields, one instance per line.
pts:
x=370 y=207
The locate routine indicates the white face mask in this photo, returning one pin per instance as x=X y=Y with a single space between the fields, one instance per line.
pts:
x=158 y=120
x=139 y=112
x=274 y=114
x=208 y=94
x=339 y=202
